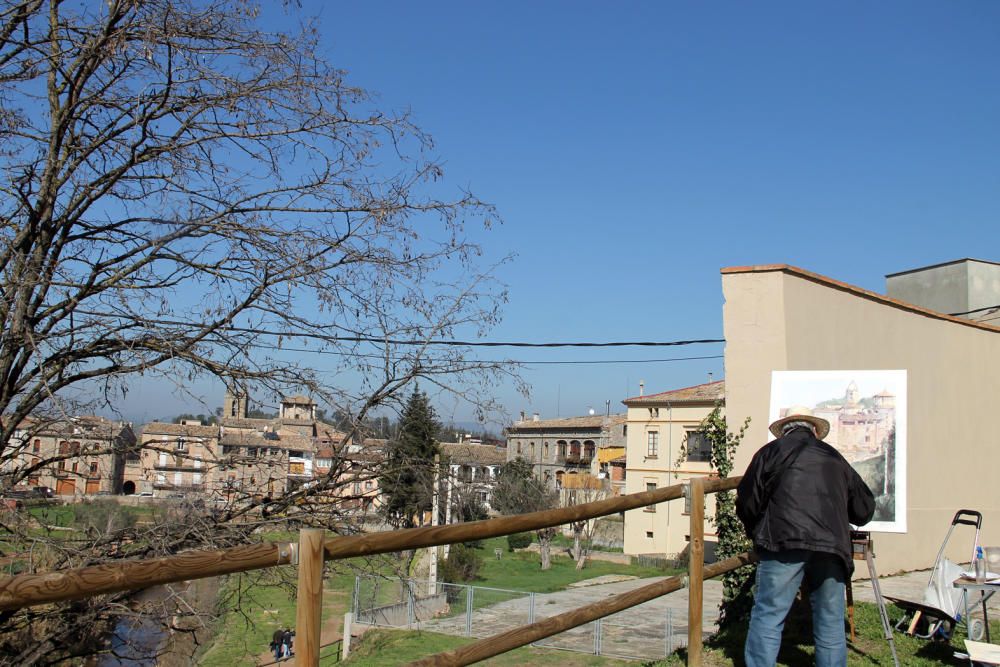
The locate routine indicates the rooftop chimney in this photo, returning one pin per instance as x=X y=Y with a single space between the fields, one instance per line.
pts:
x=642 y=387
x=534 y=417
x=709 y=377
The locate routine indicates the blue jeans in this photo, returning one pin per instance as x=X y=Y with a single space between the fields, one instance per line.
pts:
x=779 y=575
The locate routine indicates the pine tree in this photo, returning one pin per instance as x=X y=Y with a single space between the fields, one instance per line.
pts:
x=407 y=480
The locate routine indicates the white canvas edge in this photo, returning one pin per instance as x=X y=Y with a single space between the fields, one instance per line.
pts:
x=900 y=380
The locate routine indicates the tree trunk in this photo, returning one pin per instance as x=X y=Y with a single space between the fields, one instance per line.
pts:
x=577 y=529
x=581 y=561
x=544 y=540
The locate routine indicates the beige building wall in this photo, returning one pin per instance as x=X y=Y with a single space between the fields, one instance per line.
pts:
x=783 y=318
x=663 y=528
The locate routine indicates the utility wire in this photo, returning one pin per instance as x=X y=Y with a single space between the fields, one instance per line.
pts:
x=456 y=343
x=499 y=361
x=977 y=310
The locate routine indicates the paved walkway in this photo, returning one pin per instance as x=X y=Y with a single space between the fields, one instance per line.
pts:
x=649 y=631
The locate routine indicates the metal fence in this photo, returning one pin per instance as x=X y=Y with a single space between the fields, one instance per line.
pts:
x=641 y=633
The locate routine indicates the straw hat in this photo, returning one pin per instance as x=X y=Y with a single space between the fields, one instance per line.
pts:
x=801 y=413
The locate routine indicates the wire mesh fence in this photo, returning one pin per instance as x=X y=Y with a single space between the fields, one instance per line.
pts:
x=644 y=632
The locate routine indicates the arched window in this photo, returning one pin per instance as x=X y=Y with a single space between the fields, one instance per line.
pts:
x=559 y=478
x=561 y=444
x=574 y=448
x=588 y=449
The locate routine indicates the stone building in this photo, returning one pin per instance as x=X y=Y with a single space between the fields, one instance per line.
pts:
x=86 y=454
x=174 y=459
x=571 y=445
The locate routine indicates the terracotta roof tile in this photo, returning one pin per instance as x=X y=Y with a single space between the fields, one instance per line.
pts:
x=163 y=428
x=483 y=454
x=699 y=393
x=589 y=421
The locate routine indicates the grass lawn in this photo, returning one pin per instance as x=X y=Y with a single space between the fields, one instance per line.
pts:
x=388 y=648
x=566 y=541
x=241 y=637
x=521 y=571
x=870 y=647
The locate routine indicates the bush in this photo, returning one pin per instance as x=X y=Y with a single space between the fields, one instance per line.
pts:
x=462 y=564
x=104 y=516
x=518 y=541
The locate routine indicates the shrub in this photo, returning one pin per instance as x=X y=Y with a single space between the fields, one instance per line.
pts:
x=518 y=541
x=462 y=564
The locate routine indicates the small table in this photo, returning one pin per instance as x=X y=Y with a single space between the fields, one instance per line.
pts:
x=986 y=591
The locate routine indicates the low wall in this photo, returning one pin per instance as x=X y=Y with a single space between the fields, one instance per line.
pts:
x=398 y=614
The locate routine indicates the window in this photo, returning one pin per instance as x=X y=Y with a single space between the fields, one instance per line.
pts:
x=518 y=448
x=652 y=444
x=532 y=450
x=650 y=486
x=649 y=534
x=181 y=445
x=36 y=446
x=562 y=449
x=93 y=468
x=588 y=449
x=369 y=485
x=698 y=447
x=75 y=465
x=545 y=451
x=357 y=488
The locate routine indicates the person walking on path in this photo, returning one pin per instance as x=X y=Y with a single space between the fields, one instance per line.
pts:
x=286 y=640
x=797 y=500
x=278 y=644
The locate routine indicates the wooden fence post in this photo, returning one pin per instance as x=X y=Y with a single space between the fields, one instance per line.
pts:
x=696 y=564
x=309 y=603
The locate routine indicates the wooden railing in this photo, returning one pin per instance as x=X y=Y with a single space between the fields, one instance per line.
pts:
x=313 y=549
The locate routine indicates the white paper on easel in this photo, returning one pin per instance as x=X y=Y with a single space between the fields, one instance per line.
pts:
x=983 y=652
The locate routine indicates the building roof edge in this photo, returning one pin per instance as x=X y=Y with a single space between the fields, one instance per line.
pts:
x=857 y=291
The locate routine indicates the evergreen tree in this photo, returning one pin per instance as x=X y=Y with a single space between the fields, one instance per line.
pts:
x=407 y=480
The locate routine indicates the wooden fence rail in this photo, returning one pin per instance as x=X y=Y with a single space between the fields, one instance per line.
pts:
x=25 y=590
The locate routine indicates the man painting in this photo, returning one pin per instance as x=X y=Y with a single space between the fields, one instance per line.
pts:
x=797 y=501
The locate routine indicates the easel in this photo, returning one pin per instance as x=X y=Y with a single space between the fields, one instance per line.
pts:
x=862 y=549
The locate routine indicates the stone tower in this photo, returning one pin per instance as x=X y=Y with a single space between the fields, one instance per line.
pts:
x=235 y=406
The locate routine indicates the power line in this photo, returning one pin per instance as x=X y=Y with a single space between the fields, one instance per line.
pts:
x=977 y=310
x=456 y=343
x=500 y=361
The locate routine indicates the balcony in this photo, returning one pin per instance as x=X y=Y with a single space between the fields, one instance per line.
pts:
x=179 y=488
x=578 y=460
x=183 y=466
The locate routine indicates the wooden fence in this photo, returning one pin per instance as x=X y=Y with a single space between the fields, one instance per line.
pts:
x=314 y=548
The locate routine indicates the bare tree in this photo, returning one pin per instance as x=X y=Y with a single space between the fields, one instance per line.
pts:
x=587 y=489
x=518 y=491
x=187 y=194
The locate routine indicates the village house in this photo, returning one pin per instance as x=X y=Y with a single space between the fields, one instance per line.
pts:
x=666 y=447
x=472 y=471
x=86 y=454
x=586 y=445
x=173 y=459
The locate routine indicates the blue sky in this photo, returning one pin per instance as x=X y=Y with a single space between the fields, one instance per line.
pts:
x=634 y=149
